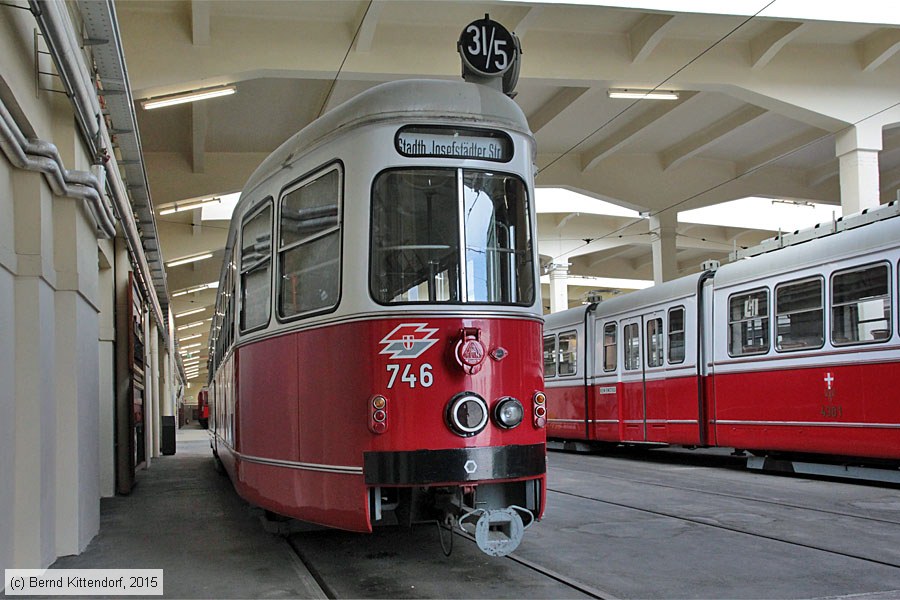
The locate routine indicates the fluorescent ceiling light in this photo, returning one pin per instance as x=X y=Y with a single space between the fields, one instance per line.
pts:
x=634 y=94
x=189 y=325
x=197 y=345
x=189 y=337
x=197 y=288
x=189 y=259
x=193 y=311
x=193 y=96
x=190 y=204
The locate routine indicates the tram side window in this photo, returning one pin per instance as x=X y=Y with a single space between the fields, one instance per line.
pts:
x=632 y=334
x=799 y=315
x=568 y=353
x=609 y=347
x=549 y=356
x=655 y=343
x=676 y=335
x=256 y=255
x=748 y=323
x=861 y=305
x=309 y=249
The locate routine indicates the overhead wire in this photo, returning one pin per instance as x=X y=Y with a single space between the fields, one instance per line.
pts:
x=712 y=187
x=344 y=61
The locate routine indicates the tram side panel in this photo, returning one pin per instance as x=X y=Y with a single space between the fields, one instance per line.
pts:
x=825 y=386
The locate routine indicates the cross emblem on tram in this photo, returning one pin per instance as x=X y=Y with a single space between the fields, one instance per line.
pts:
x=829 y=379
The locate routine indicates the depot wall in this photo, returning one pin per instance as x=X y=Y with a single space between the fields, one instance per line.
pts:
x=51 y=381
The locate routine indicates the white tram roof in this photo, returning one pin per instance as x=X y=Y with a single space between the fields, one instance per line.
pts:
x=408 y=100
x=869 y=239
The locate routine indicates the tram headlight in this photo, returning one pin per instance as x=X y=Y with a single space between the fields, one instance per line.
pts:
x=508 y=413
x=466 y=414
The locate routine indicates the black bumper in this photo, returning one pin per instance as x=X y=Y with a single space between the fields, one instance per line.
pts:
x=422 y=467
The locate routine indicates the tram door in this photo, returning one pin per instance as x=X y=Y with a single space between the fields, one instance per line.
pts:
x=633 y=408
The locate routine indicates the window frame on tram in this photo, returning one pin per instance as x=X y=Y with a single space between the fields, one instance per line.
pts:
x=605 y=354
x=888 y=312
x=777 y=312
x=520 y=289
x=552 y=354
x=763 y=316
x=570 y=352
x=676 y=338
x=264 y=263
x=281 y=250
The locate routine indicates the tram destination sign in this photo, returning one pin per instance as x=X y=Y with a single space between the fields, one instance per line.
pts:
x=454 y=142
x=487 y=47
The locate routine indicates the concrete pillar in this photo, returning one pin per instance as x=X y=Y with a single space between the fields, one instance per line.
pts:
x=663 y=229
x=857 y=149
x=8 y=268
x=559 y=288
x=33 y=479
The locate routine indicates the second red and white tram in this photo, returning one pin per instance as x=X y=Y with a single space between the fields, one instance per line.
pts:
x=376 y=351
x=795 y=352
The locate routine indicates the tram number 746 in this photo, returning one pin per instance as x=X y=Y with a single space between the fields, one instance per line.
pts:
x=424 y=378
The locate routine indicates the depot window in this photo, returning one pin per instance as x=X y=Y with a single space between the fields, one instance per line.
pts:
x=450 y=236
x=748 y=323
x=861 y=305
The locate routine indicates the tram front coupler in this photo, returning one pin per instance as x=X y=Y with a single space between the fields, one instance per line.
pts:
x=497 y=531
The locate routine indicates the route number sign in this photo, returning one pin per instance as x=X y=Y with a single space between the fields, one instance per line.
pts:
x=487 y=47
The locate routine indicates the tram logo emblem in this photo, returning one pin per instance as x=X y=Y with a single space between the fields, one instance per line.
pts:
x=408 y=340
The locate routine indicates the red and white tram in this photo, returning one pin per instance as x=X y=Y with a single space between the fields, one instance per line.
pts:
x=376 y=351
x=790 y=353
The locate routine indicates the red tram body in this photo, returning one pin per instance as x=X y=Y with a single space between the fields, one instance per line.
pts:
x=376 y=352
x=791 y=353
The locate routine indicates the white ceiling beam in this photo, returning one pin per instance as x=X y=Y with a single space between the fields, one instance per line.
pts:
x=773 y=153
x=822 y=173
x=631 y=131
x=890 y=179
x=528 y=18
x=767 y=44
x=876 y=48
x=200 y=22
x=694 y=144
x=366 y=23
x=646 y=35
x=199 y=127
x=598 y=258
x=554 y=107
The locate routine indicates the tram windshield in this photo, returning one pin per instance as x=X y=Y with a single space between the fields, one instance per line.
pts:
x=450 y=236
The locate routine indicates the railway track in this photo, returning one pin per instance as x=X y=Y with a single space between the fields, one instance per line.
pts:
x=620 y=528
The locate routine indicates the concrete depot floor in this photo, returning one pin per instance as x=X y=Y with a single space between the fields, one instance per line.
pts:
x=186 y=519
x=618 y=525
